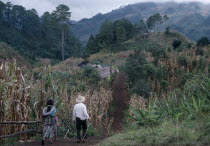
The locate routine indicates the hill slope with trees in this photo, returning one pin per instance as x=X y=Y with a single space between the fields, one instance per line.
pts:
x=35 y=36
x=9 y=54
x=180 y=14
x=164 y=67
x=164 y=75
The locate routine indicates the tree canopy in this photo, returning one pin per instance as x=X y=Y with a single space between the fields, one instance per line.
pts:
x=35 y=36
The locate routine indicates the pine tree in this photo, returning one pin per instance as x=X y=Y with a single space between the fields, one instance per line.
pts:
x=2 y=7
x=91 y=45
x=120 y=34
x=142 y=27
x=7 y=13
x=63 y=15
x=106 y=33
x=18 y=14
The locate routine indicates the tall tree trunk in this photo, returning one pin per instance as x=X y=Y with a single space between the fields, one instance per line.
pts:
x=1 y=112
x=62 y=44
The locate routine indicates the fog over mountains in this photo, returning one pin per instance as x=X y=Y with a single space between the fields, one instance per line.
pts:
x=191 y=19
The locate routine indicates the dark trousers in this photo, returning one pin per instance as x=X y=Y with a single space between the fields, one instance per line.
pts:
x=81 y=124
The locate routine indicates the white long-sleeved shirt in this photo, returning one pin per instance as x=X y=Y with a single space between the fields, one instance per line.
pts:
x=80 y=111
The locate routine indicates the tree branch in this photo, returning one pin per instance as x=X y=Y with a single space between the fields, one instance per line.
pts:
x=22 y=132
x=20 y=122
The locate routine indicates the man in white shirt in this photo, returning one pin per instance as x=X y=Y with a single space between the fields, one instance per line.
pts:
x=81 y=116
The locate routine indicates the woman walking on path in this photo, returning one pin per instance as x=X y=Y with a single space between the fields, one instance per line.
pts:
x=80 y=116
x=50 y=122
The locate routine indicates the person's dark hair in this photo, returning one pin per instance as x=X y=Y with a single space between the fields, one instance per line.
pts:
x=49 y=104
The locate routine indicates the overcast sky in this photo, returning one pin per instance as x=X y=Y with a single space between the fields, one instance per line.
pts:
x=82 y=8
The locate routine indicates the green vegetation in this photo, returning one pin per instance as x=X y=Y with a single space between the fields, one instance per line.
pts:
x=112 y=34
x=136 y=75
x=176 y=43
x=167 y=78
x=191 y=19
x=10 y=54
x=204 y=41
x=149 y=117
x=91 y=75
x=156 y=19
x=167 y=70
x=62 y=83
x=34 y=36
x=172 y=73
x=167 y=133
x=182 y=118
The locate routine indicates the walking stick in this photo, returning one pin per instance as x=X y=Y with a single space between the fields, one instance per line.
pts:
x=68 y=128
x=85 y=132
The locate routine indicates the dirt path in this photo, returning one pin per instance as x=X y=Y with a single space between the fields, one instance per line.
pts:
x=91 y=141
x=120 y=100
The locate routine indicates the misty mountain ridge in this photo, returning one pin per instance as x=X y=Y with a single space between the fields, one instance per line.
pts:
x=190 y=18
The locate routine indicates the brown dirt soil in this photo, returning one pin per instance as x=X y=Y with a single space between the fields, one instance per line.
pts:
x=91 y=141
x=120 y=101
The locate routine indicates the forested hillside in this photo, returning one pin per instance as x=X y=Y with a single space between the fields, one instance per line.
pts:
x=112 y=36
x=191 y=19
x=37 y=37
x=168 y=82
x=144 y=82
x=160 y=62
x=9 y=54
x=159 y=73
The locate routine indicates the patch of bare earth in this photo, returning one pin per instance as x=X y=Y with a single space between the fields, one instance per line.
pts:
x=91 y=141
x=120 y=101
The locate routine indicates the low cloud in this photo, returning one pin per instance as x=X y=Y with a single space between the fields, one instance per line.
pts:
x=83 y=8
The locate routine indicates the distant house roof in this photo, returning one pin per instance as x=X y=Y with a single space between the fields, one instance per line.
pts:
x=83 y=63
x=104 y=72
